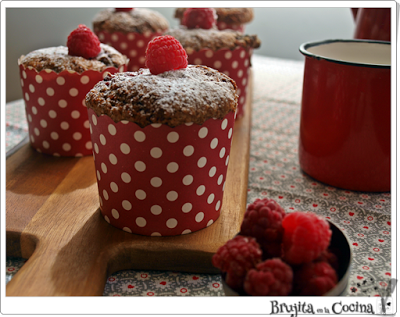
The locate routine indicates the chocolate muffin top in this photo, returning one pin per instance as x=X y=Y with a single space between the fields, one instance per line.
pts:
x=57 y=59
x=196 y=39
x=138 y=20
x=192 y=94
x=227 y=15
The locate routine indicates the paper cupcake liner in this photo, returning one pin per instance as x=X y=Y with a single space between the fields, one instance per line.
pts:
x=55 y=109
x=224 y=26
x=234 y=63
x=132 y=45
x=158 y=180
x=237 y=27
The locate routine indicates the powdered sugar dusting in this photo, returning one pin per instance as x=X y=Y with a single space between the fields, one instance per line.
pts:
x=57 y=59
x=197 y=39
x=139 y=20
x=194 y=94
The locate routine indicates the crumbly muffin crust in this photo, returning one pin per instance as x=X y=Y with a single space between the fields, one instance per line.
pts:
x=227 y=15
x=57 y=59
x=193 y=94
x=138 y=20
x=196 y=39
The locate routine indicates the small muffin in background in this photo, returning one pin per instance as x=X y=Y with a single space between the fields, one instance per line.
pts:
x=129 y=30
x=227 y=51
x=55 y=81
x=227 y=18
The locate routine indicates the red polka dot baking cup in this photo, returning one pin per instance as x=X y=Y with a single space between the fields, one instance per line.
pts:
x=55 y=109
x=225 y=26
x=132 y=45
x=234 y=63
x=158 y=180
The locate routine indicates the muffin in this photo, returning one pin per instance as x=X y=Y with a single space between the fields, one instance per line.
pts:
x=161 y=147
x=228 y=18
x=227 y=51
x=129 y=30
x=54 y=85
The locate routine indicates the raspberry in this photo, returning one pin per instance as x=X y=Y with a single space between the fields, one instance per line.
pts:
x=305 y=237
x=83 y=42
x=314 y=279
x=235 y=258
x=165 y=53
x=270 y=278
x=123 y=9
x=202 y=18
x=263 y=221
x=329 y=257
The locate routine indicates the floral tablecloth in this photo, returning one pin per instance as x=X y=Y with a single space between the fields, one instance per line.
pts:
x=274 y=172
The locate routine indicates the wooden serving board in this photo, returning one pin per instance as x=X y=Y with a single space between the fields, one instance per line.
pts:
x=53 y=220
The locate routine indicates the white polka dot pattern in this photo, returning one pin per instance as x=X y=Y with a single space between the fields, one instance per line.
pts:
x=58 y=123
x=168 y=185
x=133 y=45
x=233 y=63
x=224 y=26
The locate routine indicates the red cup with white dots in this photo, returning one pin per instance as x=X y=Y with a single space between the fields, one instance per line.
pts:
x=161 y=180
x=132 y=44
x=55 y=109
x=233 y=63
x=228 y=26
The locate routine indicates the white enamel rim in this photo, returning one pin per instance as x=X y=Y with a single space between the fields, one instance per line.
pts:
x=365 y=53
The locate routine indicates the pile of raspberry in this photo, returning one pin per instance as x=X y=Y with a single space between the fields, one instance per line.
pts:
x=279 y=254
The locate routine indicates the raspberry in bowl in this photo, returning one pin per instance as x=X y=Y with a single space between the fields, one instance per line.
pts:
x=161 y=138
x=314 y=257
x=227 y=51
x=236 y=258
x=227 y=18
x=129 y=30
x=263 y=221
x=54 y=83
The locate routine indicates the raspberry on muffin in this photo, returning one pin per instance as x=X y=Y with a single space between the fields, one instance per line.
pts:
x=82 y=42
x=203 y=18
x=123 y=9
x=165 y=53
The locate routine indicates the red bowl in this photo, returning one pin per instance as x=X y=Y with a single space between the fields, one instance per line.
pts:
x=344 y=138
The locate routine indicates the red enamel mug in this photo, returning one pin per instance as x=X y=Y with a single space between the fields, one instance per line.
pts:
x=344 y=138
x=372 y=23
